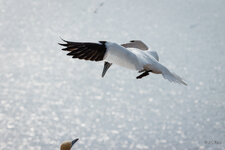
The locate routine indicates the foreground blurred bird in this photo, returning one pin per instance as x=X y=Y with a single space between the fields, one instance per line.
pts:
x=68 y=145
x=139 y=58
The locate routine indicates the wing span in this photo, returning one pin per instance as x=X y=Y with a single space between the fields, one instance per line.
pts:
x=87 y=51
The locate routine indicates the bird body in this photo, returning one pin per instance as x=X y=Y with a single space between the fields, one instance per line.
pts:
x=121 y=56
x=132 y=59
x=138 y=58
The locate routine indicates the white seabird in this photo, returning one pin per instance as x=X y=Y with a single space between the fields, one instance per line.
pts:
x=139 y=58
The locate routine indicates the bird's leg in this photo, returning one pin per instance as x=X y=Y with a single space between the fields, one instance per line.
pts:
x=106 y=67
x=143 y=74
x=141 y=71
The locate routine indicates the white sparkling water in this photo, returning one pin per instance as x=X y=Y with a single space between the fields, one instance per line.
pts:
x=47 y=97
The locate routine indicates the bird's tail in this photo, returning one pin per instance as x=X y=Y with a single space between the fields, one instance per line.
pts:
x=172 y=77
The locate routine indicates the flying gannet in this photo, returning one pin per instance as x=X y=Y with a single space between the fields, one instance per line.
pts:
x=138 y=58
x=68 y=145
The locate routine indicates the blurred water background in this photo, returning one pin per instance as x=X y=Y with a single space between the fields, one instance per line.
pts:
x=47 y=97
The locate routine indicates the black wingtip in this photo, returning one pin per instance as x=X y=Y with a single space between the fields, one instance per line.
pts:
x=62 y=39
x=74 y=141
x=62 y=44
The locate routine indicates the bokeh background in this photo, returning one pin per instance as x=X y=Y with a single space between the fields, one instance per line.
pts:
x=47 y=97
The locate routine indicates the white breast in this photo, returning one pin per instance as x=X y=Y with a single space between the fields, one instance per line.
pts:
x=119 y=55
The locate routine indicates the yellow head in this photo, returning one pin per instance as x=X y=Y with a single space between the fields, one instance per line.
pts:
x=67 y=145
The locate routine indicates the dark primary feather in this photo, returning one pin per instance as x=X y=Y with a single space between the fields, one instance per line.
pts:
x=85 y=50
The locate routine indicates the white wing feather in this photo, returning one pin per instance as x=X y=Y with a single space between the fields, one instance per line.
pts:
x=136 y=44
x=154 y=54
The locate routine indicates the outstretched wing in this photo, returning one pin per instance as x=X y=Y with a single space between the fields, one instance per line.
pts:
x=136 y=44
x=87 y=51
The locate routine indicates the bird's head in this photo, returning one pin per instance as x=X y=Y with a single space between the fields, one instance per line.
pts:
x=68 y=145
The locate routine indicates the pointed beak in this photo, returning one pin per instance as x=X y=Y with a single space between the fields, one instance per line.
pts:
x=74 y=141
x=106 y=67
